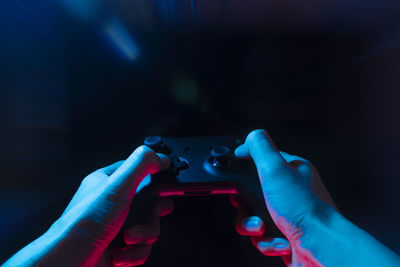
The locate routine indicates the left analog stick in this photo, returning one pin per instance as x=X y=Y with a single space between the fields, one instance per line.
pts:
x=154 y=142
x=221 y=156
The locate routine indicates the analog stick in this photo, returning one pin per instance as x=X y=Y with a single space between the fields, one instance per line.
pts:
x=221 y=156
x=154 y=142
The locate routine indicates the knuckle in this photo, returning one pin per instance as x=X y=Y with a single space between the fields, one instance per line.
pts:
x=273 y=167
x=143 y=150
x=307 y=167
x=146 y=152
x=88 y=179
x=147 y=155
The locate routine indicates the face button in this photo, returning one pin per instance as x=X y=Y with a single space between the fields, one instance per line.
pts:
x=179 y=164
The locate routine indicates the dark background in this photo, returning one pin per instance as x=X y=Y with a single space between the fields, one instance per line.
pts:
x=323 y=78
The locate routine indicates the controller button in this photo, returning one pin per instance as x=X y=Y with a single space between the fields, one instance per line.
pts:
x=220 y=152
x=154 y=142
x=221 y=156
x=179 y=164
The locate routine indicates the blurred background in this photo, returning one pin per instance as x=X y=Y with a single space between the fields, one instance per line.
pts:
x=83 y=82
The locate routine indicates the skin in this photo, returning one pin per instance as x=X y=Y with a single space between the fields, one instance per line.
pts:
x=301 y=207
x=299 y=204
x=83 y=233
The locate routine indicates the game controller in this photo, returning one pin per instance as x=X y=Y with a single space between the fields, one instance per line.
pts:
x=202 y=166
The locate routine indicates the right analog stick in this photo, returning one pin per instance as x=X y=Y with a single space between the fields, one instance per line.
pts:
x=221 y=156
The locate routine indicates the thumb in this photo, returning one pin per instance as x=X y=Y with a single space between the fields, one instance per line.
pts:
x=142 y=162
x=268 y=160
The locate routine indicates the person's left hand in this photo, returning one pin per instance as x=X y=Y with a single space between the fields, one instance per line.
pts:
x=81 y=236
x=139 y=239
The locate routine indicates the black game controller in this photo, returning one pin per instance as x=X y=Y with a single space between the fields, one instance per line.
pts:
x=202 y=166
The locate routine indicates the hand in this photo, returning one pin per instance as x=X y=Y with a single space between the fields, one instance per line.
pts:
x=247 y=224
x=95 y=215
x=295 y=197
x=138 y=239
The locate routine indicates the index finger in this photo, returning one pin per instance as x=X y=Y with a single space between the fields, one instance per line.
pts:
x=130 y=173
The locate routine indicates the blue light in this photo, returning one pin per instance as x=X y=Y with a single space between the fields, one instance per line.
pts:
x=88 y=10
x=117 y=34
x=145 y=182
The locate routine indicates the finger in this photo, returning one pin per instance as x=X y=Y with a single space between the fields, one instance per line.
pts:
x=92 y=181
x=131 y=255
x=165 y=162
x=242 y=152
x=142 y=233
x=270 y=246
x=140 y=163
x=297 y=163
x=289 y=157
x=108 y=170
x=267 y=158
x=306 y=170
x=249 y=225
x=245 y=224
x=234 y=201
x=287 y=259
x=149 y=233
x=163 y=208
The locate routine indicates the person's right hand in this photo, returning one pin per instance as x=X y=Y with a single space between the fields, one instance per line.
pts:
x=295 y=197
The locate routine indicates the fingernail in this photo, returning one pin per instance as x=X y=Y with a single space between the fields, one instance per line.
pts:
x=264 y=244
x=280 y=246
x=253 y=223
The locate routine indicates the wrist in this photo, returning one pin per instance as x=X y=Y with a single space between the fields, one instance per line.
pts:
x=37 y=251
x=317 y=233
x=60 y=241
